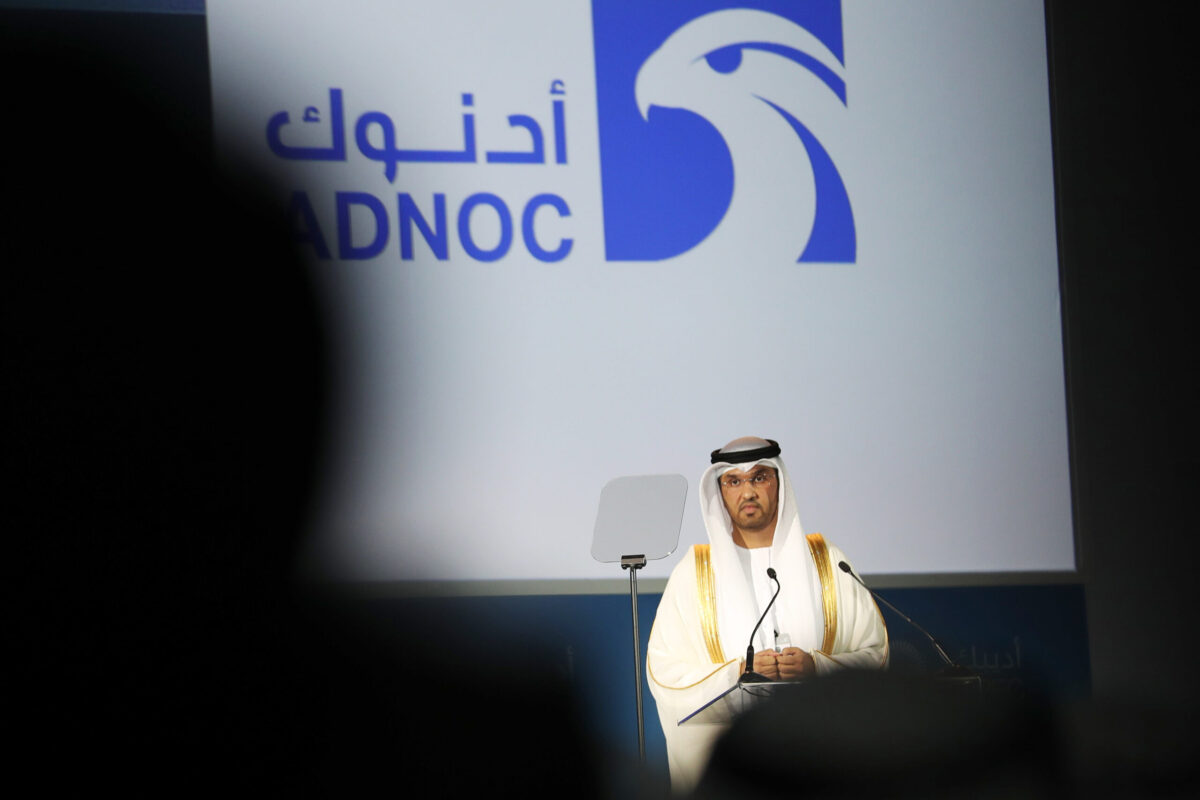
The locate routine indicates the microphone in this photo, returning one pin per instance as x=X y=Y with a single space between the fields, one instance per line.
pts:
x=750 y=676
x=951 y=669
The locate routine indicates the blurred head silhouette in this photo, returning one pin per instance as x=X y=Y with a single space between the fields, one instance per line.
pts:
x=168 y=379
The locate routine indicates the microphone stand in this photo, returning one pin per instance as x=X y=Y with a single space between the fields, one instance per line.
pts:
x=750 y=676
x=951 y=668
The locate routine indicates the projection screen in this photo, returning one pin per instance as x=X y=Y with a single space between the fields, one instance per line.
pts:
x=561 y=242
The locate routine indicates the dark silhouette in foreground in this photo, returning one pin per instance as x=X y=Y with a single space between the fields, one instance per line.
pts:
x=167 y=381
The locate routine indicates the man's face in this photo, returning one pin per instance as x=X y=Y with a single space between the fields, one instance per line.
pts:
x=751 y=497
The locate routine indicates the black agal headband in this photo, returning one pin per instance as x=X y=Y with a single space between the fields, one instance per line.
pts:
x=742 y=456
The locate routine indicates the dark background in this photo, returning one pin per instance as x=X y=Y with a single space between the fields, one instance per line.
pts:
x=1124 y=99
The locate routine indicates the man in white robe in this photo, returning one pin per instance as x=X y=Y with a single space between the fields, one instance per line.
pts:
x=823 y=620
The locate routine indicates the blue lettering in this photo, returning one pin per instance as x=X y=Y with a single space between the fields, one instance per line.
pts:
x=362 y=235
x=531 y=243
x=464 y=227
x=301 y=211
x=435 y=237
x=346 y=248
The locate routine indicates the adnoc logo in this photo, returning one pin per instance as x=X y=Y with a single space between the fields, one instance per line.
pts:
x=422 y=220
x=717 y=125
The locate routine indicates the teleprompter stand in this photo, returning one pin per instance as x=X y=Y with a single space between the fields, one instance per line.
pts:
x=633 y=564
x=638 y=521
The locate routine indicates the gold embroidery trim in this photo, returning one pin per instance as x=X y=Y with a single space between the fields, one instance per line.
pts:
x=820 y=554
x=690 y=685
x=708 y=602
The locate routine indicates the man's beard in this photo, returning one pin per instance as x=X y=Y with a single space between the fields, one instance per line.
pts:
x=755 y=523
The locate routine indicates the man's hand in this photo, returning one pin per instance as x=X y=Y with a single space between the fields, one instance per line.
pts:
x=765 y=664
x=793 y=664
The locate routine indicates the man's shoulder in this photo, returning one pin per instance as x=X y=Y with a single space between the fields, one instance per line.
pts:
x=819 y=542
x=686 y=568
x=827 y=556
x=694 y=553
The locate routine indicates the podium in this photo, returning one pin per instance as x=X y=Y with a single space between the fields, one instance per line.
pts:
x=738 y=699
x=741 y=697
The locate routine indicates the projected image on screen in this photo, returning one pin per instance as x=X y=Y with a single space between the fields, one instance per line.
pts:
x=566 y=242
